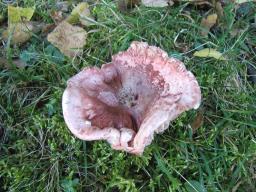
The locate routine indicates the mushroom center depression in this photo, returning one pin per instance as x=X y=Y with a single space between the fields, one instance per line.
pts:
x=127 y=98
x=119 y=97
x=135 y=94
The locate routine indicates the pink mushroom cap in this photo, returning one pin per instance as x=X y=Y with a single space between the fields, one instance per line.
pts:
x=129 y=99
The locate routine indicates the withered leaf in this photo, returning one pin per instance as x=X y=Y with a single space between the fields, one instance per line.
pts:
x=62 y=6
x=197 y=122
x=157 y=3
x=207 y=23
x=198 y=2
x=208 y=52
x=19 y=14
x=1 y=18
x=16 y=62
x=81 y=14
x=68 y=39
x=126 y=5
x=19 y=26
x=57 y=16
x=86 y=18
x=243 y=1
x=47 y=28
x=73 y=18
x=19 y=32
x=219 y=9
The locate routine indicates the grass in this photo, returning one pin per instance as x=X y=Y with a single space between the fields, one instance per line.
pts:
x=38 y=153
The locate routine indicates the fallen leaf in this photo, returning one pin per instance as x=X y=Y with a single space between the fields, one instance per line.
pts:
x=85 y=18
x=242 y=1
x=16 y=62
x=19 y=63
x=126 y=5
x=157 y=3
x=62 y=6
x=19 y=26
x=236 y=30
x=243 y=10
x=48 y=28
x=208 y=52
x=37 y=26
x=219 y=9
x=197 y=122
x=68 y=39
x=207 y=23
x=233 y=81
x=1 y=18
x=19 y=14
x=57 y=16
x=19 y=32
x=81 y=8
x=198 y=2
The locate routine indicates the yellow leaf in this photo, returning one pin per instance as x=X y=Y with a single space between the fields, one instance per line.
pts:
x=212 y=18
x=208 y=52
x=18 y=14
x=208 y=22
x=77 y=11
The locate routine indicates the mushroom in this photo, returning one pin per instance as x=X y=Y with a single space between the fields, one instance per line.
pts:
x=129 y=99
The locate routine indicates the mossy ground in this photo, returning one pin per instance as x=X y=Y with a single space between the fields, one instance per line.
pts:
x=38 y=153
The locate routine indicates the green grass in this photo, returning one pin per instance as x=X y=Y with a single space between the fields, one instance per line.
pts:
x=38 y=153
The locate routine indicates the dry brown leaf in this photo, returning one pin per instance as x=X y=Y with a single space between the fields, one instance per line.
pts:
x=126 y=5
x=219 y=10
x=19 y=32
x=62 y=6
x=68 y=39
x=183 y=47
x=207 y=23
x=157 y=3
x=17 y=63
x=57 y=16
x=1 y=18
x=48 y=28
x=236 y=31
x=198 y=2
x=197 y=122
x=60 y=14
